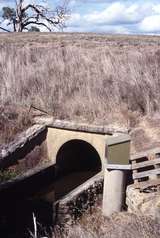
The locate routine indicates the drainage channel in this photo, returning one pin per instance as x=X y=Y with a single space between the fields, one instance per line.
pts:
x=50 y=197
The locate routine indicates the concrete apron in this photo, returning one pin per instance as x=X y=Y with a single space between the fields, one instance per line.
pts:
x=114 y=191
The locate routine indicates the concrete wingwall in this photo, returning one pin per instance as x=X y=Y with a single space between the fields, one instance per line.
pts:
x=56 y=138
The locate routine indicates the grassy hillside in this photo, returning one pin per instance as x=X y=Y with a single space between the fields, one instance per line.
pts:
x=84 y=77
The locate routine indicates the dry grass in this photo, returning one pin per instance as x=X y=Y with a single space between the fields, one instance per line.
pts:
x=82 y=77
x=119 y=225
x=13 y=119
x=93 y=224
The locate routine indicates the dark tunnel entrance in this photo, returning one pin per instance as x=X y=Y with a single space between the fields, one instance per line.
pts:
x=76 y=162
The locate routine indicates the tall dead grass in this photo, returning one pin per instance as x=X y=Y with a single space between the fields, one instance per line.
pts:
x=121 y=225
x=95 y=225
x=88 y=79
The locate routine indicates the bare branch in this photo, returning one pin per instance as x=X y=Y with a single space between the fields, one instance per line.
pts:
x=4 y=29
x=40 y=12
x=37 y=23
x=32 y=6
x=38 y=15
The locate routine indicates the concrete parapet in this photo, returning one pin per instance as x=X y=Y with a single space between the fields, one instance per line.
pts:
x=24 y=143
x=83 y=127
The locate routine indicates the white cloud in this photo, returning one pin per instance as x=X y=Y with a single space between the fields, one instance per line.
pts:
x=156 y=8
x=120 y=13
x=119 y=17
x=74 y=20
x=150 y=24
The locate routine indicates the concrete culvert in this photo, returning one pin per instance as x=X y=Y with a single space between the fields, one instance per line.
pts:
x=76 y=162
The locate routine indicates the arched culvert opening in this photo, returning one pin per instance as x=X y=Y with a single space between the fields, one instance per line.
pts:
x=76 y=162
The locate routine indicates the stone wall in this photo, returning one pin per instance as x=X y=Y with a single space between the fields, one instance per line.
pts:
x=146 y=203
x=74 y=204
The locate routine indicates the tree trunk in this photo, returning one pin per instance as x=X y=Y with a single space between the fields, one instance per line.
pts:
x=19 y=17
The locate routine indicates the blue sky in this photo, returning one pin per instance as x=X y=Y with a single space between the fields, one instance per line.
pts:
x=110 y=16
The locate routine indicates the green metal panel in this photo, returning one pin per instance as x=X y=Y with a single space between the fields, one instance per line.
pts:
x=118 y=150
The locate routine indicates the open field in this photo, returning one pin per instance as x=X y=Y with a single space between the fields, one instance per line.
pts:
x=83 y=77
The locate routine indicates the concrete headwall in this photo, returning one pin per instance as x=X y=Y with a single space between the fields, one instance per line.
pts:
x=56 y=138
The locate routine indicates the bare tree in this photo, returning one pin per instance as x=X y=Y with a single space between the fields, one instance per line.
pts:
x=24 y=16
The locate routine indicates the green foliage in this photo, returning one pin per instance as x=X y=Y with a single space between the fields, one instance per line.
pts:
x=34 y=29
x=8 y=13
x=7 y=175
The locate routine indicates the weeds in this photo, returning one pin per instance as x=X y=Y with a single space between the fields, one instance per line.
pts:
x=7 y=175
x=95 y=225
x=121 y=225
x=79 y=77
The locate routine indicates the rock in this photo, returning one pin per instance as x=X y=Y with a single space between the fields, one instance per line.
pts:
x=146 y=203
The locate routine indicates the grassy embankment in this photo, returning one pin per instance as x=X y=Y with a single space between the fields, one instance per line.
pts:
x=82 y=77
